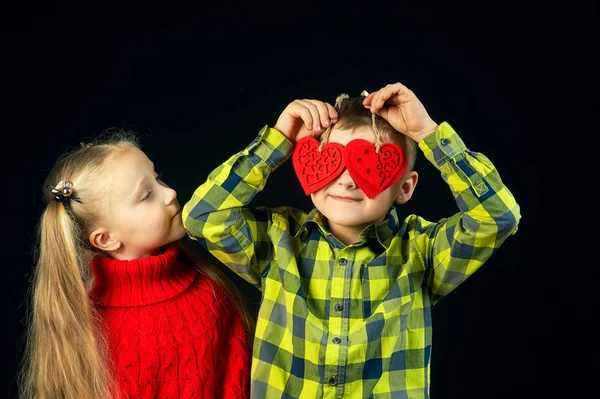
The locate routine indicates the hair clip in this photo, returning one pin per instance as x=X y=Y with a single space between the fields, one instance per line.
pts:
x=63 y=192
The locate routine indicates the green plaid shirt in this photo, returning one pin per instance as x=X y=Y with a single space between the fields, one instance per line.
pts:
x=354 y=321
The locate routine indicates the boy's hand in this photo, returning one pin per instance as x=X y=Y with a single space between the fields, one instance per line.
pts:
x=305 y=118
x=402 y=109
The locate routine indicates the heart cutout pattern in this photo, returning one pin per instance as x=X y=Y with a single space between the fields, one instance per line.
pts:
x=374 y=171
x=317 y=169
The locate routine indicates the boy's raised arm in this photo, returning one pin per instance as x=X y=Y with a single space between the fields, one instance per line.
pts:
x=217 y=215
x=488 y=213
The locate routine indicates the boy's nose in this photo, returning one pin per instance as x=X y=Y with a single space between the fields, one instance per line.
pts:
x=346 y=180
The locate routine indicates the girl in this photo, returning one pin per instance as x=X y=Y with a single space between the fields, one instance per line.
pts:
x=118 y=308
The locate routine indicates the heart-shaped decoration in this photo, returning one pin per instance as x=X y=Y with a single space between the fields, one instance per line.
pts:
x=374 y=171
x=317 y=169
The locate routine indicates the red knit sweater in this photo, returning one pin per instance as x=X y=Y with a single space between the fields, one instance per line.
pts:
x=172 y=332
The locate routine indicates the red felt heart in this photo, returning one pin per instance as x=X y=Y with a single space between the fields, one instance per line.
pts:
x=374 y=171
x=317 y=169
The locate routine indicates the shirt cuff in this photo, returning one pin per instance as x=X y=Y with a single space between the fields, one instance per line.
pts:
x=442 y=145
x=271 y=146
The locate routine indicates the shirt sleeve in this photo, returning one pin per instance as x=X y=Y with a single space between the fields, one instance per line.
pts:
x=217 y=215
x=488 y=214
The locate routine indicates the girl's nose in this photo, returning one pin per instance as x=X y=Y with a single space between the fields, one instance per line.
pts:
x=170 y=196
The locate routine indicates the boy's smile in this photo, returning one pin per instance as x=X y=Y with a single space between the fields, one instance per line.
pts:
x=347 y=199
x=347 y=208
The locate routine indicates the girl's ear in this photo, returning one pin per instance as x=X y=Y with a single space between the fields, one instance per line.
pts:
x=104 y=241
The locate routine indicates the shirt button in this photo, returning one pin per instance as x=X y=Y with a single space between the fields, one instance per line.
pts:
x=333 y=381
x=444 y=141
x=336 y=340
x=339 y=307
x=343 y=262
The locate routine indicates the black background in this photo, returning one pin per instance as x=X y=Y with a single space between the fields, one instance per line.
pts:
x=199 y=89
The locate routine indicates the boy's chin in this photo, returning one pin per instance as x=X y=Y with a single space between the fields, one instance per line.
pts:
x=345 y=220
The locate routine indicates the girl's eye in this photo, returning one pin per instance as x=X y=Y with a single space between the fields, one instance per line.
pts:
x=147 y=196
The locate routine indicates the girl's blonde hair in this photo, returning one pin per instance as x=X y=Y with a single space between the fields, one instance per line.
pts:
x=66 y=351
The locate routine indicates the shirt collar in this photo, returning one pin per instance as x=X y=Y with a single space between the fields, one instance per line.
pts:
x=383 y=232
x=313 y=219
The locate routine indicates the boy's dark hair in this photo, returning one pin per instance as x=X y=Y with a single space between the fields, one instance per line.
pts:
x=353 y=114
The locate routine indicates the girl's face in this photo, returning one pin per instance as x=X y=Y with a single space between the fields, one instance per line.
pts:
x=143 y=213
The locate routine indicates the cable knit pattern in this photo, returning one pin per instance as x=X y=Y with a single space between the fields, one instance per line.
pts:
x=172 y=331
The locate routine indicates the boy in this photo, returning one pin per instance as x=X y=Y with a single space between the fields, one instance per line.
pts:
x=347 y=289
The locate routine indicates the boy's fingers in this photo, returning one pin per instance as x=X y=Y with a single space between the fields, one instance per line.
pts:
x=368 y=99
x=376 y=103
x=333 y=115
x=400 y=90
x=319 y=113
x=386 y=93
x=306 y=118
x=378 y=100
x=314 y=112
x=300 y=109
x=324 y=111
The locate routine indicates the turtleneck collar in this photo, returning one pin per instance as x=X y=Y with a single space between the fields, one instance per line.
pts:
x=139 y=282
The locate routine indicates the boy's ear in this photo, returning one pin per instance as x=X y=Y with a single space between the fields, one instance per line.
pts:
x=104 y=241
x=409 y=182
